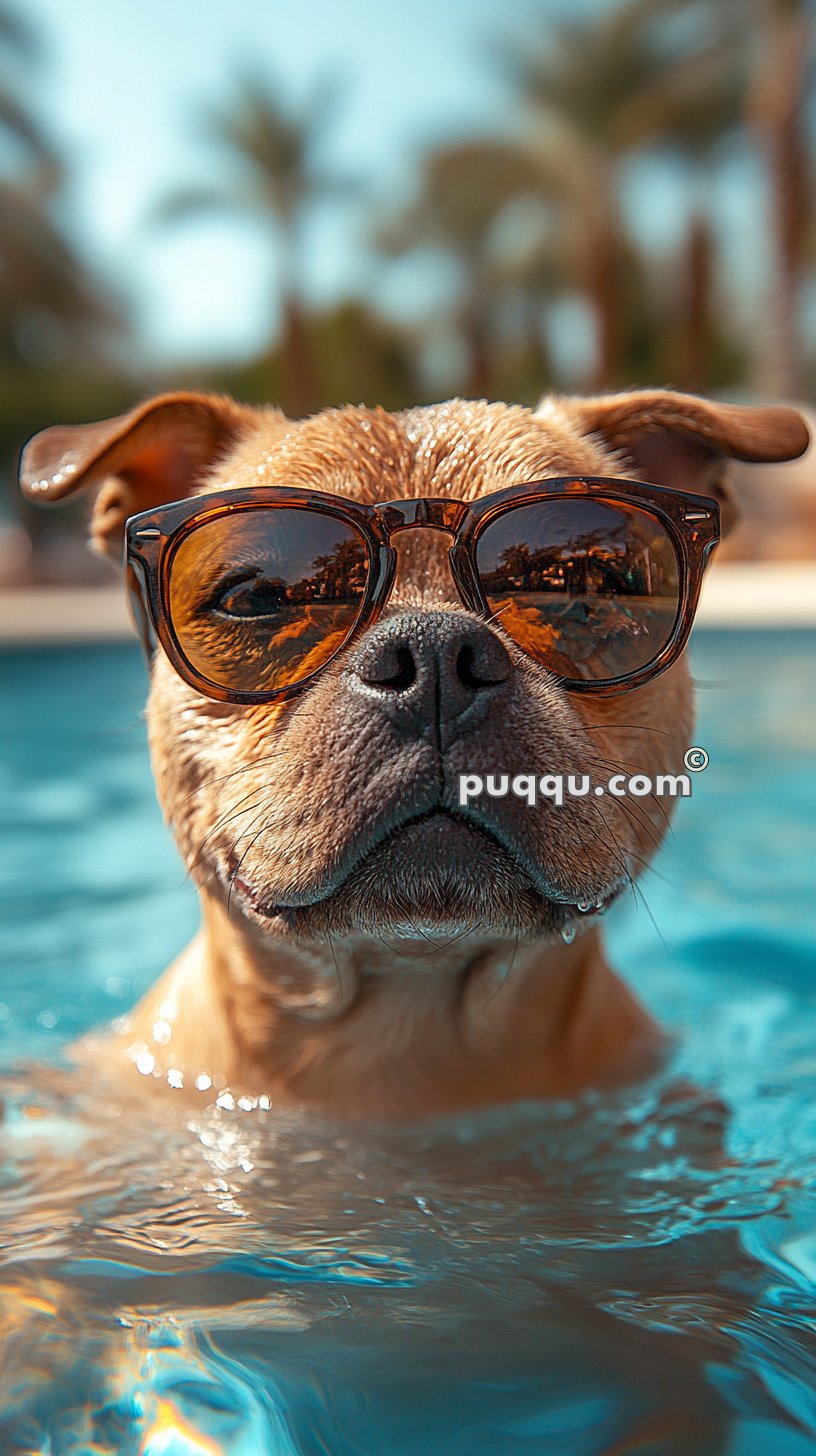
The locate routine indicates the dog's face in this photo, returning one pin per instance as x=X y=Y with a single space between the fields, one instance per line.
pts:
x=337 y=813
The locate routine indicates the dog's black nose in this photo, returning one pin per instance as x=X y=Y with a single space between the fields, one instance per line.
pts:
x=433 y=673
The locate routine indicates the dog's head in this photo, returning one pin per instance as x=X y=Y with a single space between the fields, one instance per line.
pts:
x=337 y=813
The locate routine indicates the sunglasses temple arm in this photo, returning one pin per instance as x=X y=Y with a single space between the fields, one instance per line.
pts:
x=709 y=551
x=137 y=593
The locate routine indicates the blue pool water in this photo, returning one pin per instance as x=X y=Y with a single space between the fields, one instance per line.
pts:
x=632 y=1273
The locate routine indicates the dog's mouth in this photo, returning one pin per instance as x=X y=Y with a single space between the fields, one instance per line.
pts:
x=439 y=869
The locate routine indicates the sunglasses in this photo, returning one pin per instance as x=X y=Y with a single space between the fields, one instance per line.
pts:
x=252 y=592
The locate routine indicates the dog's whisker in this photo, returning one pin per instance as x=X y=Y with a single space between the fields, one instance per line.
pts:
x=241 y=769
x=502 y=977
x=440 y=944
x=200 y=857
x=616 y=852
x=633 y=727
x=234 y=813
x=233 y=876
x=615 y=848
x=415 y=955
x=610 y=766
x=494 y=616
x=389 y=947
x=334 y=958
x=637 y=816
x=619 y=765
x=446 y=944
x=629 y=807
x=638 y=892
x=262 y=810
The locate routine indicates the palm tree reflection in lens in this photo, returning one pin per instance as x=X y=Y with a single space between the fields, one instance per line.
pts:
x=260 y=599
x=587 y=588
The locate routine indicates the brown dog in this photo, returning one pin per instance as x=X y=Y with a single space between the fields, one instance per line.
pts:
x=367 y=946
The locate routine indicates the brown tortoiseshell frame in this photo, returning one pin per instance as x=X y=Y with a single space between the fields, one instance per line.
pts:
x=152 y=538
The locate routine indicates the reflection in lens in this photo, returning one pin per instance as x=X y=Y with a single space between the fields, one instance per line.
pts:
x=587 y=587
x=262 y=597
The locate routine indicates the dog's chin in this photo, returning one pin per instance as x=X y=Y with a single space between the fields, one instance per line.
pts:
x=438 y=875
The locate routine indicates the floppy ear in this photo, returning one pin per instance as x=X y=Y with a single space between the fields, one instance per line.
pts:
x=157 y=452
x=688 y=442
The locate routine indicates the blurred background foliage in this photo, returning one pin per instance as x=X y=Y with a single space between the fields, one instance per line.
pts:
x=538 y=229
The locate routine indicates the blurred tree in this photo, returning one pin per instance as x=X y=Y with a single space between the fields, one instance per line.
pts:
x=687 y=114
x=18 y=46
x=274 y=174
x=56 y=319
x=780 y=100
x=576 y=90
x=464 y=192
x=628 y=81
x=50 y=305
x=48 y=301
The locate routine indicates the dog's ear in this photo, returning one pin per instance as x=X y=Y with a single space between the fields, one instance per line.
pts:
x=157 y=452
x=688 y=442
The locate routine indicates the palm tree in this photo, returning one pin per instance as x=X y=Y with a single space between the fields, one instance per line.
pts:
x=574 y=91
x=51 y=308
x=19 y=46
x=47 y=297
x=688 y=114
x=606 y=90
x=48 y=301
x=464 y=192
x=783 y=75
x=272 y=174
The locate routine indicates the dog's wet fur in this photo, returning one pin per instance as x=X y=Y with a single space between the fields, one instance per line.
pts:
x=367 y=946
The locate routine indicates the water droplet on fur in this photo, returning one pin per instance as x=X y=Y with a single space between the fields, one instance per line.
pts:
x=568 y=934
x=584 y=906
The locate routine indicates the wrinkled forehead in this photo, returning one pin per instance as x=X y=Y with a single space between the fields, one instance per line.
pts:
x=462 y=449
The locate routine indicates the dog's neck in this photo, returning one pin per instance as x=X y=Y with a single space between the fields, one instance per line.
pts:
x=365 y=1028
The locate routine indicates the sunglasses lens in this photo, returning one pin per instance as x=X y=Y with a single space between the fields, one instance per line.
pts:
x=590 y=588
x=262 y=598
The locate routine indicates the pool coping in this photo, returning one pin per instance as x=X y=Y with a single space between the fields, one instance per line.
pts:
x=735 y=594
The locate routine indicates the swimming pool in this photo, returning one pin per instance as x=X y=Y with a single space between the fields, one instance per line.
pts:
x=632 y=1273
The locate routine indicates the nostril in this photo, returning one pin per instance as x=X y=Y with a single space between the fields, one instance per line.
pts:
x=474 y=674
x=431 y=672
x=402 y=677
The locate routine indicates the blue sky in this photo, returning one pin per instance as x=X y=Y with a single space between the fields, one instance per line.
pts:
x=123 y=84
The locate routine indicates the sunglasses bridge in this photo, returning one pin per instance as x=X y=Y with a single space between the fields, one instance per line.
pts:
x=433 y=511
